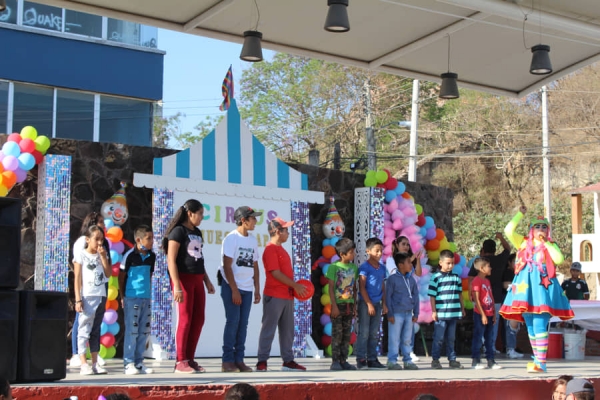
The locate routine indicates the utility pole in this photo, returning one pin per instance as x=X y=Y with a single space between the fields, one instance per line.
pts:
x=371 y=144
x=546 y=160
x=414 y=122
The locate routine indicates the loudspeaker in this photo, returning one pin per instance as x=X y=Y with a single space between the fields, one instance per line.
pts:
x=9 y=333
x=43 y=336
x=10 y=242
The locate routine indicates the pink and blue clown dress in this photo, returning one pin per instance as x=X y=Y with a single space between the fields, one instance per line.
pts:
x=535 y=294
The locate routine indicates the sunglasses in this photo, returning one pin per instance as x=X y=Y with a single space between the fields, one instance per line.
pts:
x=540 y=226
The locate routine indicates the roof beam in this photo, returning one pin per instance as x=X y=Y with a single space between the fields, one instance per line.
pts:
x=427 y=40
x=207 y=14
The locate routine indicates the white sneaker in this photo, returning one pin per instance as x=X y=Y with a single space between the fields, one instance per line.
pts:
x=130 y=369
x=414 y=357
x=75 y=361
x=142 y=369
x=98 y=370
x=512 y=353
x=496 y=351
x=86 y=370
x=101 y=361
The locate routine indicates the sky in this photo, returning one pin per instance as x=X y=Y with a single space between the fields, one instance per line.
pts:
x=194 y=68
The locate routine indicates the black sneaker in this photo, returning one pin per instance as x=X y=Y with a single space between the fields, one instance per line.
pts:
x=336 y=366
x=347 y=366
x=362 y=364
x=375 y=364
x=436 y=364
x=455 y=365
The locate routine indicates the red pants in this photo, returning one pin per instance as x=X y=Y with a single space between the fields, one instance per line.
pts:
x=190 y=318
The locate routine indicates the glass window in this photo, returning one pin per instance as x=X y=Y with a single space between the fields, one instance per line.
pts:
x=42 y=16
x=123 y=31
x=149 y=36
x=125 y=121
x=74 y=115
x=83 y=23
x=9 y=16
x=33 y=106
x=3 y=105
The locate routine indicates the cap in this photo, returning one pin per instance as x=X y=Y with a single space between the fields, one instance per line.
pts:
x=277 y=223
x=245 y=212
x=539 y=220
x=576 y=266
x=579 y=385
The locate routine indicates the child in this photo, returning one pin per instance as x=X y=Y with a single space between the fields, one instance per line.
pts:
x=484 y=316
x=444 y=292
x=92 y=268
x=135 y=285
x=371 y=303
x=402 y=298
x=342 y=277
x=575 y=288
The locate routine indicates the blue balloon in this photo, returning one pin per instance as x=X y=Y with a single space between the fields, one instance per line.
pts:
x=103 y=328
x=429 y=222
x=327 y=329
x=463 y=261
x=326 y=242
x=11 y=149
x=114 y=328
x=325 y=268
x=423 y=231
x=115 y=257
x=26 y=161
x=109 y=223
x=457 y=270
x=401 y=188
x=390 y=195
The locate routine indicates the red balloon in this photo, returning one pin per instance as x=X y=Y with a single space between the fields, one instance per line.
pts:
x=310 y=290
x=391 y=184
x=325 y=340
x=323 y=280
x=352 y=338
x=107 y=340
x=421 y=220
x=27 y=145
x=37 y=155
x=456 y=258
x=115 y=271
x=381 y=185
x=14 y=137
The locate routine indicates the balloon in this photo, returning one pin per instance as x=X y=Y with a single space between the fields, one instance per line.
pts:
x=334 y=240
x=352 y=338
x=325 y=289
x=456 y=259
x=27 y=145
x=453 y=247
x=370 y=174
x=9 y=178
x=325 y=319
x=457 y=269
x=323 y=280
x=465 y=284
x=11 y=149
x=14 y=137
x=112 y=304
x=37 y=156
x=328 y=350
x=113 y=281
x=419 y=209
x=392 y=184
x=327 y=329
x=110 y=317
x=107 y=340
x=3 y=191
x=432 y=245
x=421 y=221
x=327 y=309
x=390 y=195
x=10 y=163
x=350 y=350
x=109 y=223
x=325 y=269
x=325 y=299
x=26 y=161
x=42 y=144
x=325 y=340
x=406 y=195
x=370 y=182
x=115 y=271
x=115 y=257
x=430 y=234
x=110 y=353
x=103 y=352
x=21 y=175
x=114 y=234
x=328 y=251
x=114 y=328
x=400 y=188
x=310 y=290
x=29 y=132
x=327 y=242
x=103 y=328
x=439 y=234
x=112 y=293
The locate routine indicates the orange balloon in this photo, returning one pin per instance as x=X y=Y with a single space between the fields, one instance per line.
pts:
x=327 y=309
x=406 y=195
x=114 y=234
x=9 y=179
x=112 y=304
x=328 y=251
x=465 y=284
x=439 y=234
x=432 y=244
x=1 y=167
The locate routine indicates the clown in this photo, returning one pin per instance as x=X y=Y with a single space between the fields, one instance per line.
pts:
x=115 y=208
x=333 y=225
x=535 y=294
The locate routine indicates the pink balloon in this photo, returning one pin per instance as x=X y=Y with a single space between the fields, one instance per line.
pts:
x=397 y=215
x=393 y=206
x=10 y=163
x=387 y=240
x=387 y=224
x=387 y=250
x=397 y=224
x=389 y=233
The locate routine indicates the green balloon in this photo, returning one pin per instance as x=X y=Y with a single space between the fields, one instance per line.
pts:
x=29 y=132
x=419 y=209
x=350 y=349
x=42 y=144
x=371 y=174
x=381 y=176
x=103 y=351
x=328 y=351
x=110 y=352
x=370 y=182
x=326 y=289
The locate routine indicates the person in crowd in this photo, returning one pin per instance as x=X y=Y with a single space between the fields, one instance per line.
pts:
x=576 y=288
x=278 y=298
x=559 y=387
x=511 y=327
x=371 y=305
x=580 y=389
x=402 y=299
x=183 y=244
x=239 y=277
x=242 y=391
x=342 y=276
x=5 y=389
x=92 y=268
x=135 y=286
x=445 y=294
x=535 y=295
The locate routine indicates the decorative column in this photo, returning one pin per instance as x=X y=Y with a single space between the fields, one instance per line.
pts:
x=302 y=270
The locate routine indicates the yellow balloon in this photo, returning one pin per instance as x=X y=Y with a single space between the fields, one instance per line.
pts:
x=42 y=144
x=444 y=244
x=112 y=293
x=325 y=299
x=3 y=190
x=29 y=132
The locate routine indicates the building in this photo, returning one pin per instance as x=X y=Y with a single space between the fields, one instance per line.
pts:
x=76 y=75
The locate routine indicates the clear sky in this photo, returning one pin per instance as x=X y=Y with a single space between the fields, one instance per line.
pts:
x=193 y=72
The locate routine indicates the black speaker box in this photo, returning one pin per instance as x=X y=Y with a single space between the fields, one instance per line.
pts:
x=42 y=336
x=10 y=242
x=9 y=333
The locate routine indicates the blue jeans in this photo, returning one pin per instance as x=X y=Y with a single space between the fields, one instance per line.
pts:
x=511 y=335
x=74 y=332
x=236 y=325
x=138 y=316
x=368 y=331
x=482 y=331
x=444 y=330
x=400 y=334
x=497 y=311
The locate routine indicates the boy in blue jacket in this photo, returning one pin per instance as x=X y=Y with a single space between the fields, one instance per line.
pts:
x=402 y=300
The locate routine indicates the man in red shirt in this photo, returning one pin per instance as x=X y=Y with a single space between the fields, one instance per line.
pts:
x=278 y=299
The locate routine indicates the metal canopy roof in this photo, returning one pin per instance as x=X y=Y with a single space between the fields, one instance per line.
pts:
x=402 y=37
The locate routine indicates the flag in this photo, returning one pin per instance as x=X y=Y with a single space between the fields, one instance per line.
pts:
x=227 y=90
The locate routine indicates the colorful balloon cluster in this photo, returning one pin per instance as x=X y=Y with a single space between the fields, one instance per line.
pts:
x=402 y=217
x=19 y=154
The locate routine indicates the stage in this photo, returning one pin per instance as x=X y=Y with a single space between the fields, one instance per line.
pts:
x=511 y=382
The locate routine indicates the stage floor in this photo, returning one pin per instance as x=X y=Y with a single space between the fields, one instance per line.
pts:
x=318 y=382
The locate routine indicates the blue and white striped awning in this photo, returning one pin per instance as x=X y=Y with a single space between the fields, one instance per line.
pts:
x=228 y=160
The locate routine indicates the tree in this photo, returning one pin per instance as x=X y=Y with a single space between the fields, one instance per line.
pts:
x=165 y=128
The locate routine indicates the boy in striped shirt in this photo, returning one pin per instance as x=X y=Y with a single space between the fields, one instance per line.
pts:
x=447 y=305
